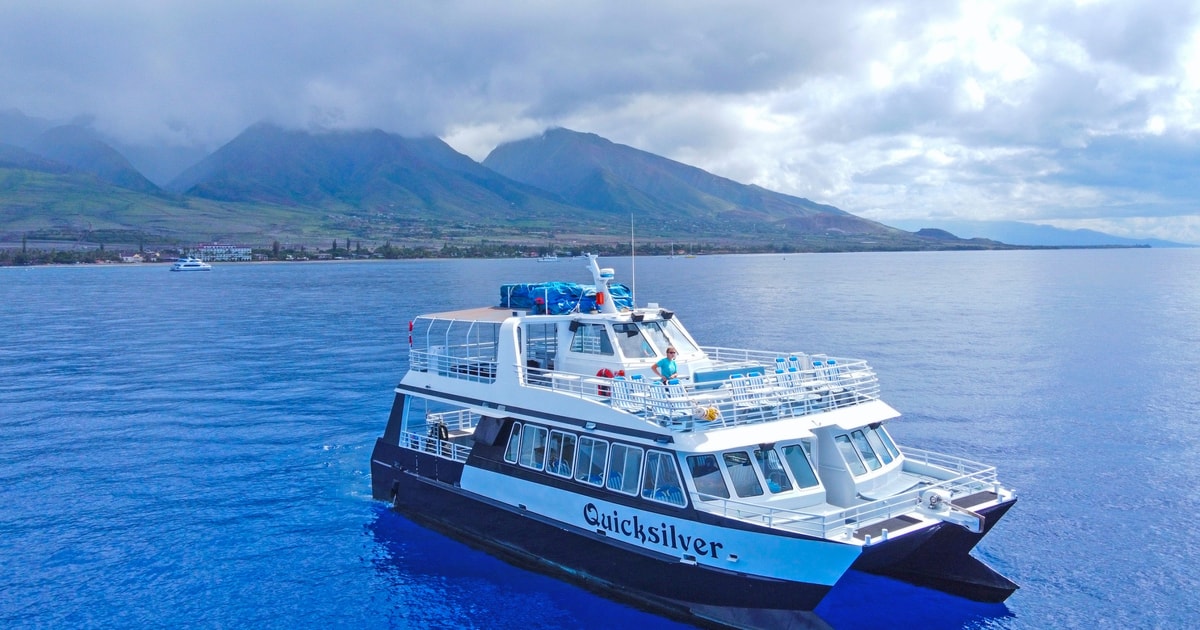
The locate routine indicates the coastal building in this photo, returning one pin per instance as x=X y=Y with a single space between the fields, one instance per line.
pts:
x=223 y=253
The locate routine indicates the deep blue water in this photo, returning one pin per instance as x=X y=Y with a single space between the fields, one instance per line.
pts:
x=192 y=449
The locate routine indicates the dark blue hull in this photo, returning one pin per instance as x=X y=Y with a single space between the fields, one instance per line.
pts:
x=940 y=558
x=422 y=487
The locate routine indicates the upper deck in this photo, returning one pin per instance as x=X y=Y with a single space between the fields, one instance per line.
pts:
x=575 y=342
x=734 y=387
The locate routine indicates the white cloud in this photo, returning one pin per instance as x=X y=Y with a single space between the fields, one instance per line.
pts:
x=1051 y=110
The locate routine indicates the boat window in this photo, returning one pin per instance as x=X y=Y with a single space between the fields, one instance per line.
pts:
x=633 y=344
x=541 y=345
x=624 y=466
x=801 y=466
x=864 y=448
x=887 y=440
x=849 y=454
x=514 y=444
x=657 y=336
x=772 y=470
x=741 y=473
x=533 y=447
x=660 y=482
x=591 y=339
x=561 y=453
x=707 y=477
x=880 y=449
x=593 y=454
x=679 y=338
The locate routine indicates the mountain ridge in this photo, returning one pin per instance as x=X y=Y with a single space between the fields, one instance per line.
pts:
x=593 y=172
x=270 y=182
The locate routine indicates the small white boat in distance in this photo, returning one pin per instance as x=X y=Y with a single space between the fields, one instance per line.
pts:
x=190 y=264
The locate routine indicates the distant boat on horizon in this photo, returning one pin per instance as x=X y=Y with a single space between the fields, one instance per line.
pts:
x=190 y=264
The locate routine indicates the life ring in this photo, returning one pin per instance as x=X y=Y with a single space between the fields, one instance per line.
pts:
x=603 y=389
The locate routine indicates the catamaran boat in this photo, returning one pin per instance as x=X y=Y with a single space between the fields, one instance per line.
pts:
x=738 y=492
x=190 y=264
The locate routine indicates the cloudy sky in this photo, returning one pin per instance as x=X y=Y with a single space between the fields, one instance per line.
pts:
x=1071 y=113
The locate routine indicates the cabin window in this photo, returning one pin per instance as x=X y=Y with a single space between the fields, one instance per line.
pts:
x=591 y=339
x=886 y=438
x=849 y=454
x=593 y=454
x=797 y=459
x=772 y=470
x=624 y=466
x=660 y=482
x=654 y=332
x=541 y=345
x=533 y=447
x=706 y=474
x=880 y=449
x=668 y=333
x=741 y=473
x=514 y=444
x=864 y=449
x=633 y=344
x=561 y=453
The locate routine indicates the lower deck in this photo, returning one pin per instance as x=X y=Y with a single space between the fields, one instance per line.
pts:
x=661 y=478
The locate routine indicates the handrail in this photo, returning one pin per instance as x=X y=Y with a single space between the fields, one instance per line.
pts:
x=775 y=396
x=971 y=477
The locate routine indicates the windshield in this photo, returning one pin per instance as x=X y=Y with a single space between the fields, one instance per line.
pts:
x=633 y=345
x=668 y=333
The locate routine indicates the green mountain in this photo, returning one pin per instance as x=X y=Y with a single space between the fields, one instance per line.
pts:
x=298 y=187
x=79 y=148
x=592 y=172
x=369 y=173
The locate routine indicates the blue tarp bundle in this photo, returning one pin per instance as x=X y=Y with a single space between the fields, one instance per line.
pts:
x=560 y=298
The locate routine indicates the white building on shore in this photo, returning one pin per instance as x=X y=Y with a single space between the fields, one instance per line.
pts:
x=223 y=253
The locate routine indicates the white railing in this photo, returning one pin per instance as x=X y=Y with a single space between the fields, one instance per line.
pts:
x=435 y=446
x=752 y=387
x=477 y=368
x=459 y=420
x=960 y=477
x=439 y=433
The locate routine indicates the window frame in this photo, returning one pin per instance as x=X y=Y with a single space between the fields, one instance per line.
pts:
x=734 y=479
x=512 y=450
x=844 y=439
x=579 y=466
x=525 y=458
x=568 y=460
x=692 y=460
x=801 y=448
x=671 y=468
x=584 y=333
x=637 y=474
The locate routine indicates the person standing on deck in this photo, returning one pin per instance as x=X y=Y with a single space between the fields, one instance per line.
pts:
x=666 y=369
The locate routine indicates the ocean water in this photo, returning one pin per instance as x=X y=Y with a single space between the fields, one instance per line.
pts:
x=193 y=449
